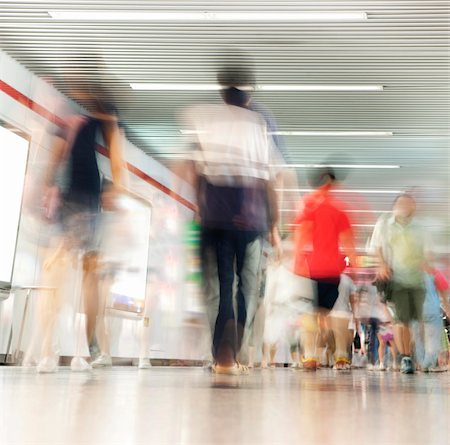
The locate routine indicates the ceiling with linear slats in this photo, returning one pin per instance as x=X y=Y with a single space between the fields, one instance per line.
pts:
x=403 y=45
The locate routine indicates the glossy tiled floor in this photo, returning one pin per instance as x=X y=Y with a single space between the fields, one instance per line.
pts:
x=190 y=406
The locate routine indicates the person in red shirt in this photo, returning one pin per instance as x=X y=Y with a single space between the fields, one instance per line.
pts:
x=323 y=237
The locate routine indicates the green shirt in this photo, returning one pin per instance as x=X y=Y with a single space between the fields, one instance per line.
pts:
x=403 y=248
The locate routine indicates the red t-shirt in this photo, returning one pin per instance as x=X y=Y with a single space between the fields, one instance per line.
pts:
x=329 y=220
x=440 y=281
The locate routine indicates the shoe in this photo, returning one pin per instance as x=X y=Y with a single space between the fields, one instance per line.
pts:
x=103 y=361
x=342 y=364
x=144 y=363
x=438 y=369
x=29 y=363
x=381 y=367
x=79 y=364
x=310 y=364
x=208 y=366
x=296 y=366
x=47 y=365
x=236 y=369
x=407 y=366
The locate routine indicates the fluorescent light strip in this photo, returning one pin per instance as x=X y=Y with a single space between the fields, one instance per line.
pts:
x=356 y=166
x=189 y=132
x=144 y=86
x=389 y=192
x=176 y=86
x=208 y=16
x=315 y=133
x=319 y=88
x=333 y=133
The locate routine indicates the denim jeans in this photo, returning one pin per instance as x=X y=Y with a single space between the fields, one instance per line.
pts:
x=231 y=263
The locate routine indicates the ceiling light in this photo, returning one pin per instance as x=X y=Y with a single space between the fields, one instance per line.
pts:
x=189 y=132
x=317 y=133
x=320 y=87
x=211 y=16
x=176 y=86
x=356 y=166
x=333 y=133
x=215 y=87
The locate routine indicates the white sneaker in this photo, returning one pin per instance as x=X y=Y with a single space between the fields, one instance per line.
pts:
x=47 y=365
x=102 y=361
x=381 y=367
x=144 y=363
x=79 y=364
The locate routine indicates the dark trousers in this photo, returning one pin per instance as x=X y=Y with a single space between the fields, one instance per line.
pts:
x=227 y=254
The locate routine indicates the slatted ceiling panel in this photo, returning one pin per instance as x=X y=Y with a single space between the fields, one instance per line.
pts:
x=403 y=45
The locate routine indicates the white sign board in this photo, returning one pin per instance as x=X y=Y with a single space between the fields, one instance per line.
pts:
x=13 y=161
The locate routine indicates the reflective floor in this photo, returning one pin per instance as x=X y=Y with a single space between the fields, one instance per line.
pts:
x=190 y=406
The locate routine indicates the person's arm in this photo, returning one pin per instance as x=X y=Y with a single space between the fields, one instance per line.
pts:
x=185 y=172
x=353 y=303
x=347 y=242
x=442 y=287
x=113 y=140
x=384 y=271
x=443 y=295
x=56 y=158
x=303 y=232
x=274 y=234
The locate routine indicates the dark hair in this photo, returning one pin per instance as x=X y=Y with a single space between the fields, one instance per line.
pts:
x=236 y=75
x=318 y=177
x=234 y=96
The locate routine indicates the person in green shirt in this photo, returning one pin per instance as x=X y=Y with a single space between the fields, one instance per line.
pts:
x=399 y=244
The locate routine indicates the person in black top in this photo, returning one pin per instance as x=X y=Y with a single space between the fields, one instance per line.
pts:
x=78 y=203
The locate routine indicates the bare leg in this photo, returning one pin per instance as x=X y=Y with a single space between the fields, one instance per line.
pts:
x=90 y=293
x=339 y=326
x=403 y=335
x=295 y=356
x=102 y=324
x=251 y=356
x=381 y=349
x=55 y=274
x=265 y=357
x=273 y=353
x=309 y=332
x=394 y=354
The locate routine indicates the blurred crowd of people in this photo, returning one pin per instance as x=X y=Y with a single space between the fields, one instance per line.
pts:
x=267 y=284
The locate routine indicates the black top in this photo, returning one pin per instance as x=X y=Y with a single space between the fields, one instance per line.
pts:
x=83 y=172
